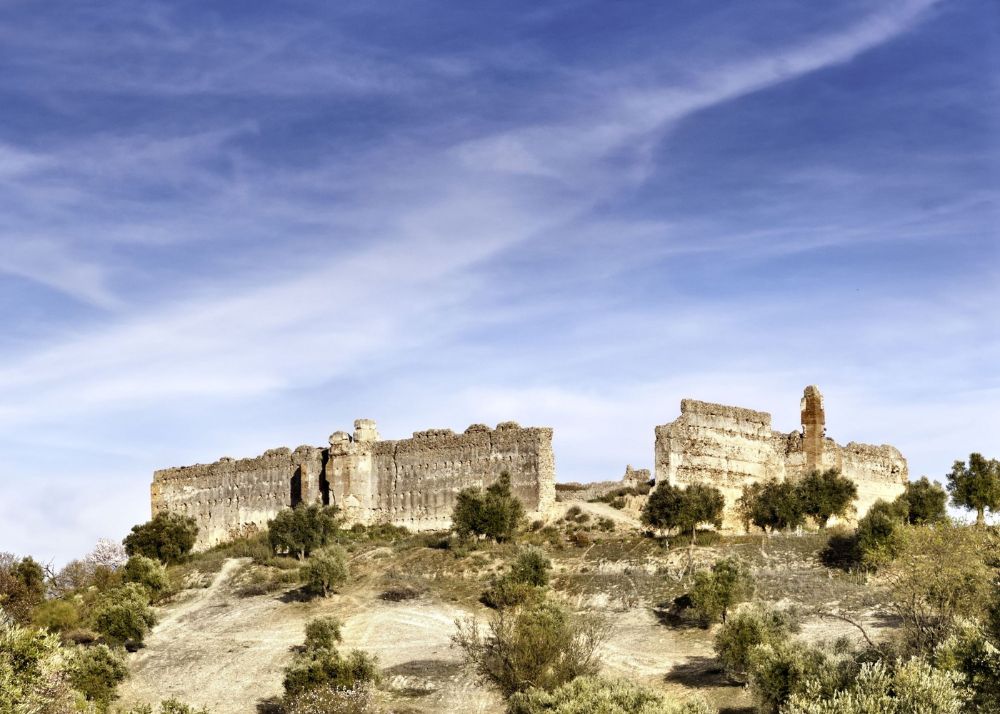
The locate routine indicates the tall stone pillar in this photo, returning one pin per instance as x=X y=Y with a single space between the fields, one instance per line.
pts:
x=813 y=426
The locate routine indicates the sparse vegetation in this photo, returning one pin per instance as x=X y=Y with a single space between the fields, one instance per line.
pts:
x=606 y=696
x=540 y=646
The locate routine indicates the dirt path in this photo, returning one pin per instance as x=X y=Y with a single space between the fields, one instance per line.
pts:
x=217 y=650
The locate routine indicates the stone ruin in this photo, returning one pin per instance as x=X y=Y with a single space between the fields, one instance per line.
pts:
x=730 y=447
x=413 y=482
x=410 y=482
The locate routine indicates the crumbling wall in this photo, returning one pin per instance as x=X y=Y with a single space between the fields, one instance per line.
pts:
x=410 y=482
x=235 y=496
x=727 y=447
x=731 y=447
x=575 y=491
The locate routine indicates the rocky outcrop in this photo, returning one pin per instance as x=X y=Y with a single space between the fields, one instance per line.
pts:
x=729 y=447
x=411 y=482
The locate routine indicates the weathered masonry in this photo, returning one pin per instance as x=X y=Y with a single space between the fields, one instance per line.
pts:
x=730 y=447
x=410 y=482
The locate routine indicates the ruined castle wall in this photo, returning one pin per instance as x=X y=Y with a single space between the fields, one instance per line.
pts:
x=415 y=481
x=234 y=496
x=730 y=447
x=727 y=447
x=411 y=482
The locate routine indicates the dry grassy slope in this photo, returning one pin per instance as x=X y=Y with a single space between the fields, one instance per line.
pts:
x=214 y=648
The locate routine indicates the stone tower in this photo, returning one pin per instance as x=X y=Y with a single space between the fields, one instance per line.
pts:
x=813 y=426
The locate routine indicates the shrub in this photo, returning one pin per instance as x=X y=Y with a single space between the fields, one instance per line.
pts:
x=33 y=674
x=326 y=571
x=880 y=533
x=778 y=670
x=531 y=567
x=507 y=592
x=914 y=686
x=744 y=631
x=495 y=513
x=57 y=615
x=168 y=537
x=96 y=673
x=939 y=578
x=148 y=573
x=541 y=646
x=329 y=669
x=301 y=530
x=969 y=651
x=826 y=494
x=606 y=696
x=122 y=615
x=606 y=524
x=716 y=591
x=323 y=633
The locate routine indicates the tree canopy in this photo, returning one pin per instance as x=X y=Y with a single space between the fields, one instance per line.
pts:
x=826 y=494
x=168 y=537
x=976 y=486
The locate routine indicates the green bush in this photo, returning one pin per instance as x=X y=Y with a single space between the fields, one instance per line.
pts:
x=301 y=530
x=148 y=573
x=778 y=670
x=122 y=615
x=57 y=615
x=597 y=695
x=168 y=537
x=496 y=513
x=716 y=591
x=914 y=687
x=96 y=673
x=507 y=592
x=531 y=567
x=328 y=668
x=540 y=645
x=323 y=633
x=33 y=675
x=880 y=533
x=326 y=571
x=744 y=630
x=970 y=652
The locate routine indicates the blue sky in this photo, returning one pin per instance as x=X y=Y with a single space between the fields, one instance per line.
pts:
x=226 y=228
